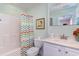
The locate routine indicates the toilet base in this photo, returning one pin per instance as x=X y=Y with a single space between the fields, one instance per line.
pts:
x=33 y=51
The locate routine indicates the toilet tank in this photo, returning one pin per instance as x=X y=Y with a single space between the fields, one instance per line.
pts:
x=38 y=43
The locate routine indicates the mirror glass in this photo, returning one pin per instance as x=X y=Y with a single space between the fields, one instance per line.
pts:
x=63 y=14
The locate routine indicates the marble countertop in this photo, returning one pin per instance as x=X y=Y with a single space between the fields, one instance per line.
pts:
x=69 y=42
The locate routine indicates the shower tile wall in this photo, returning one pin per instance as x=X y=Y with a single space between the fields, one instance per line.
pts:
x=26 y=33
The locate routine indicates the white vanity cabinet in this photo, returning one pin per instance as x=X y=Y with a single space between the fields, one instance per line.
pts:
x=71 y=52
x=51 y=49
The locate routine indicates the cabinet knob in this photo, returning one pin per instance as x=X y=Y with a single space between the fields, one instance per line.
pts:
x=59 y=50
x=66 y=52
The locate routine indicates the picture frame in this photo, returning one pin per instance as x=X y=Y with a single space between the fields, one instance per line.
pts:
x=40 y=23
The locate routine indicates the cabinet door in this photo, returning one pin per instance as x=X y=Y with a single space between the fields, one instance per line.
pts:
x=52 y=50
x=71 y=52
x=56 y=50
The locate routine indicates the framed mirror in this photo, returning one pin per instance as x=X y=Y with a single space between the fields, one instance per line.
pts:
x=61 y=14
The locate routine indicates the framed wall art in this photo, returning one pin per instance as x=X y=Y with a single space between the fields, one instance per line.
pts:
x=40 y=23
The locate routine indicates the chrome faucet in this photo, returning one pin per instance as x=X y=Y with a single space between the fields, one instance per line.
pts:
x=63 y=37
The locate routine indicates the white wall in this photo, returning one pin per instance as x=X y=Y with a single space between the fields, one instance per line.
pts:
x=9 y=28
x=9 y=34
x=40 y=11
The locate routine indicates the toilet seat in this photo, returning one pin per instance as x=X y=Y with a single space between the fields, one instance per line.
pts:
x=33 y=51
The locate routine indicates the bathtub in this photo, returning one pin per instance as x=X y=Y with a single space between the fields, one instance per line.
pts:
x=14 y=52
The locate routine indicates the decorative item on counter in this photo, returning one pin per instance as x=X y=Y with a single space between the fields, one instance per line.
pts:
x=76 y=34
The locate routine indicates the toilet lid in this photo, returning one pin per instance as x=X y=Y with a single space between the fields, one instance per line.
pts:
x=33 y=50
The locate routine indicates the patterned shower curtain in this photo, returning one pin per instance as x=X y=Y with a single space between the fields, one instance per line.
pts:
x=26 y=33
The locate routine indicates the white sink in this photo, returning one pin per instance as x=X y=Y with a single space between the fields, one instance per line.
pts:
x=70 y=42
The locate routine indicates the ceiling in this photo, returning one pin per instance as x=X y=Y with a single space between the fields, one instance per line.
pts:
x=23 y=6
x=30 y=5
x=58 y=6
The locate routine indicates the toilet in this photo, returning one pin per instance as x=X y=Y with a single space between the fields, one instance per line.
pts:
x=33 y=51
